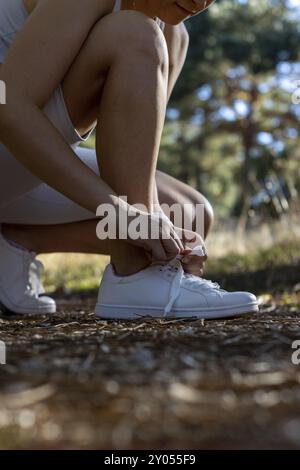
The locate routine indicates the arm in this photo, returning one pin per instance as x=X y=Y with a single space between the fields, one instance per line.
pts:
x=32 y=70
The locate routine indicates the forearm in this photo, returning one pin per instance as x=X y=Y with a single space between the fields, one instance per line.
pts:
x=38 y=145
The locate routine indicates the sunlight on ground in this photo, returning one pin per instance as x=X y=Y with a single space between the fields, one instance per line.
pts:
x=73 y=271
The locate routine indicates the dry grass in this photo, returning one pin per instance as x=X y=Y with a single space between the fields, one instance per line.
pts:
x=69 y=272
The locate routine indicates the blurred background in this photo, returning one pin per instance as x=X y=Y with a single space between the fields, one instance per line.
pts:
x=232 y=131
x=233 y=122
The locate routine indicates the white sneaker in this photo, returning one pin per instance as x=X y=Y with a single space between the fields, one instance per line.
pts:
x=21 y=290
x=168 y=292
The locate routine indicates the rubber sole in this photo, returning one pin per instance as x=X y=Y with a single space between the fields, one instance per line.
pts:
x=11 y=307
x=33 y=311
x=117 y=312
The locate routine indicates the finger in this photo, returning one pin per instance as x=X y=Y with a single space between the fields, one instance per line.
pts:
x=186 y=251
x=193 y=268
x=199 y=5
x=195 y=272
x=194 y=261
x=157 y=251
x=185 y=236
x=178 y=240
x=189 y=237
x=209 y=3
x=171 y=248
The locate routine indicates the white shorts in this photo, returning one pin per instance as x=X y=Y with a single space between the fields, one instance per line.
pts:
x=24 y=199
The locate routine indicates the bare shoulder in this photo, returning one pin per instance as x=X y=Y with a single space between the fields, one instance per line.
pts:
x=103 y=7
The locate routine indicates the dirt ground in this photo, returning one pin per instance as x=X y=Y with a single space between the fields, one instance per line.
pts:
x=74 y=381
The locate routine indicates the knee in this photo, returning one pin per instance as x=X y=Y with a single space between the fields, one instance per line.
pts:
x=142 y=37
x=130 y=35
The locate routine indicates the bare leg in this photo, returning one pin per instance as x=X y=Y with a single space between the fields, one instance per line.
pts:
x=80 y=237
x=120 y=77
x=132 y=155
x=131 y=119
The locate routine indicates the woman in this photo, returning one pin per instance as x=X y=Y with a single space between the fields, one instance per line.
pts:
x=71 y=67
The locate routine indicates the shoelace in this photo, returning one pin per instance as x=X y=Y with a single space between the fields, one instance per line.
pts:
x=39 y=268
x=35 y=269
x=179 y=279
x=175 y=269
x=36 y=272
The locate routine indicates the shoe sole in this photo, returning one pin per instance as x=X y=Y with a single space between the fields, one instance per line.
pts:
x=118 y=312
x=8 y=306
x=33 y=311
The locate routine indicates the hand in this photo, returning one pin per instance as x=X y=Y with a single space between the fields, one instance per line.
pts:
x=193 y=264
x=202 y=5
x=155 y=233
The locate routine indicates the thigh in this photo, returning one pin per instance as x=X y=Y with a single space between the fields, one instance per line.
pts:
x=36 y=203
x=84 y=83
x=45 y=206
x=15 y=180
x=172 y=191
x=110 y=38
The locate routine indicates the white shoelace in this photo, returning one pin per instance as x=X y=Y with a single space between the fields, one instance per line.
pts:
x=180 y=278
x=35 y=270
x=35 y=273
x=175 y=269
